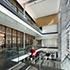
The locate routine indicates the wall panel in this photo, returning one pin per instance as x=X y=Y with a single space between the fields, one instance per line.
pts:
x=12 y=38
x=47 y=20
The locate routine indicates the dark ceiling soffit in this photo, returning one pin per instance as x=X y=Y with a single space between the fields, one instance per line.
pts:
x=30 y=1
x=50 y=47
x=50 y=33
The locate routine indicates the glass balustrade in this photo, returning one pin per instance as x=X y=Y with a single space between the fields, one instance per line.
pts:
x=15 y=52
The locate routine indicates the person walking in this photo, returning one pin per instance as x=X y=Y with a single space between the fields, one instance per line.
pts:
x=32 y=56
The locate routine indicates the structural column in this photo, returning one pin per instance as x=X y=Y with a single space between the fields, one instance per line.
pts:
x=59 y=36
x=69 y=39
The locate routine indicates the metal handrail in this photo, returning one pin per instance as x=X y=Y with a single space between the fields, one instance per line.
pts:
x=67 y=56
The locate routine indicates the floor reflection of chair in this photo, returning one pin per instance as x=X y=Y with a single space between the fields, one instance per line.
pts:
x=47 y=54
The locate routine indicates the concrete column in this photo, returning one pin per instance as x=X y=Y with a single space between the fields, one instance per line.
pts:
x=65 y=16
x=69 y=39
x=24 y=40
x=59 y=36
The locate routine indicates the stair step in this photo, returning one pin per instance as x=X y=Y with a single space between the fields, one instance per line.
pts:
x=24 y=66
x=47 y=65
x=19 y=67
x=53 y=64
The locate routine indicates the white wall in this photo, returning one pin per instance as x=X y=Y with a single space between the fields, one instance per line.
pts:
x=49 y=28
x=49 y=42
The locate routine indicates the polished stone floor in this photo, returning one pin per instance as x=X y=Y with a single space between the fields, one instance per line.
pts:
x=6 y=61
x=5 y=64
x=34 y=67
x=52 y=63
x=29 y=66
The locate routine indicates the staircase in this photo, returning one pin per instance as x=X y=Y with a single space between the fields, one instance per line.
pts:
x=51 y=63
x=45 y=65
x=42 y=64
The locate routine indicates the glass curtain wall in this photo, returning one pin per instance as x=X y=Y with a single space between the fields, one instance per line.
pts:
x=10 y=40
x=29 y=40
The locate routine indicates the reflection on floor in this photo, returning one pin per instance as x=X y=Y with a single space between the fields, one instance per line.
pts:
x=5 y=64
x=28 y=66
x=51 y=63
x=33 y=68
x=20 y=66
x=47 y=65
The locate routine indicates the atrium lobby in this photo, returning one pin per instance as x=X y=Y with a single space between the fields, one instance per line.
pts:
x=41 y=24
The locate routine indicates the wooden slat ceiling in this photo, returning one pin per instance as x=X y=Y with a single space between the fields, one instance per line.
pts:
x=47 y=20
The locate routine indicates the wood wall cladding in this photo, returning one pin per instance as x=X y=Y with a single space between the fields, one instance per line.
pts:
x=12 y=37
x=38 y=42
x=47 y=20
x=29 y=39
